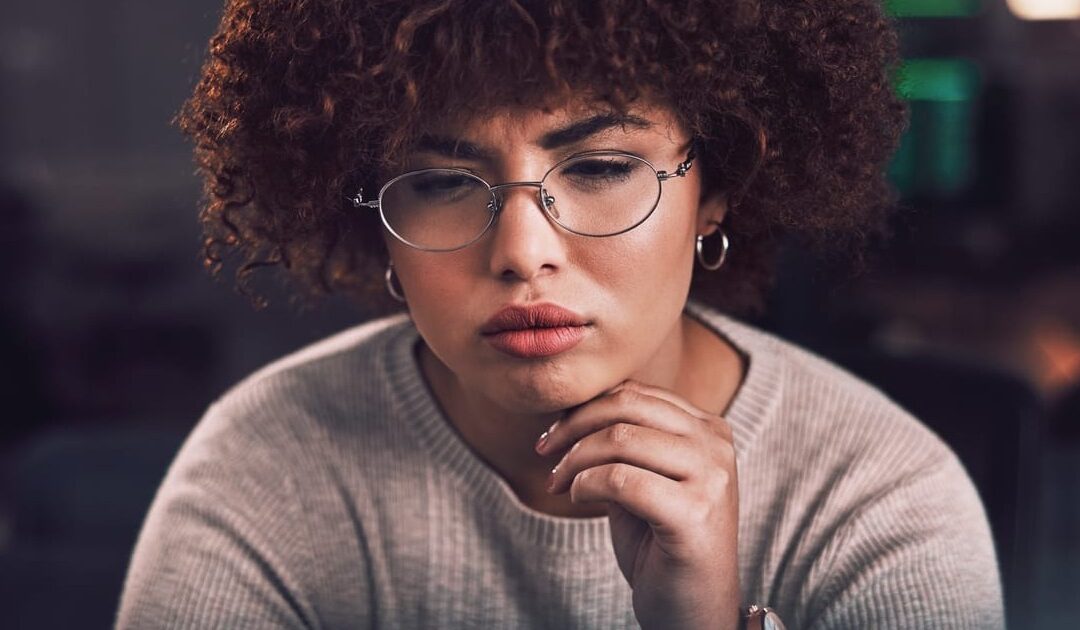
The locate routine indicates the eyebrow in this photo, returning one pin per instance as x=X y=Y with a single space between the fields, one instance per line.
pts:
x=578 y=131
x=563 y=136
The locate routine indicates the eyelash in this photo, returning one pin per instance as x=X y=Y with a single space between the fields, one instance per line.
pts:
x=561 y=158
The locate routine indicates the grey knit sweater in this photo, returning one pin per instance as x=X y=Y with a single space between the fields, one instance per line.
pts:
x=328 y=491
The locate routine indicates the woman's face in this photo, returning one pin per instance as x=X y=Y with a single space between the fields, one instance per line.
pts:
x=630 y=289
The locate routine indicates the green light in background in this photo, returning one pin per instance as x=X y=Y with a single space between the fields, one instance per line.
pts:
x=903 y=170
x=933 y=8
x=937 y=155
x=951 y=152
x=943 y=80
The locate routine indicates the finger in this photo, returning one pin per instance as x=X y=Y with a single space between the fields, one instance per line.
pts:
x=653 y=498
x=666 y=454
x=627 y=404
x=663 y=394
x=711 y=419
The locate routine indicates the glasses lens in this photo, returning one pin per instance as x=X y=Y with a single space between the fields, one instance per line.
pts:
x=601 y=194
x=437 y=209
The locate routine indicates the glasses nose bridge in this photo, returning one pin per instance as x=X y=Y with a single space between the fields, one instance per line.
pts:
x=498 y=191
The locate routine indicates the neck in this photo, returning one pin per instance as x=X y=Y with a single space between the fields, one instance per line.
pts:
x=692 y=362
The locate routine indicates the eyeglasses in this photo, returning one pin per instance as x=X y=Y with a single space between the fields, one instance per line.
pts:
x=600 y=193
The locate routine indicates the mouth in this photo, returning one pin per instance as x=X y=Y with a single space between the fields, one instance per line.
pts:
x=535 y=331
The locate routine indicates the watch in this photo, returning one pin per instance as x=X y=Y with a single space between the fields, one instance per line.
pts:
x=762 y=618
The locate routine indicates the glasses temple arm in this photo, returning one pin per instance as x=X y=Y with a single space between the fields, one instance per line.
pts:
x=357 y=201
x=681 y=169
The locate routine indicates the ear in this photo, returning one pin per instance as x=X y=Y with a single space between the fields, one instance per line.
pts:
x=711 y=210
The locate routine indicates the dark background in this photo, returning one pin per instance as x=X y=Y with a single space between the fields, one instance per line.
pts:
x=113 y=340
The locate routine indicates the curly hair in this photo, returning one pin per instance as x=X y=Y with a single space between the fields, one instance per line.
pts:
x=302 y=101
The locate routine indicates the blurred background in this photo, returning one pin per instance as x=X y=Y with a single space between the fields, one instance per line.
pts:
x=113 y=340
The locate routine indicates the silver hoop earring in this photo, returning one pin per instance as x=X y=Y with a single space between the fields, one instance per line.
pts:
x=390 y=288
x=724 y=243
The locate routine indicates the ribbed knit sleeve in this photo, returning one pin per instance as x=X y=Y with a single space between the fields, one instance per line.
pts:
x=223 y=545
x=918 y=556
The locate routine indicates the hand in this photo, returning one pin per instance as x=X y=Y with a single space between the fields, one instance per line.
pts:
x=667 y=472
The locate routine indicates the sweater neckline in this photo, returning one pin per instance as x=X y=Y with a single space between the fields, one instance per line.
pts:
x=754 y=402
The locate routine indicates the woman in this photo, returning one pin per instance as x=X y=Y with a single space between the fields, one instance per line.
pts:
x=553 y=435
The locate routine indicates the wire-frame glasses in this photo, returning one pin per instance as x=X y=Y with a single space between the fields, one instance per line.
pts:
x=600 y=193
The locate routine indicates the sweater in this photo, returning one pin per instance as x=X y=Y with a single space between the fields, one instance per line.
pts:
x=328 y=490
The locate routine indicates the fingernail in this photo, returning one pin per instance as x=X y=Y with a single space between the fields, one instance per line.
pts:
x=542 y=442
x=551 y=479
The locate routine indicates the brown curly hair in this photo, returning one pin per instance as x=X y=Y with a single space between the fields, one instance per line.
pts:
x=303 y=101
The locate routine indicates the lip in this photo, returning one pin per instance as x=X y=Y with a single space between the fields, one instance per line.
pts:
x=533 y=331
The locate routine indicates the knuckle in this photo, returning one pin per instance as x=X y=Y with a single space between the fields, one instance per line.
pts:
x=620 y=433
x=627 y=395
x=726 y=451
x=618 y=477
x=700 y=512
x=719 y=486
x=720 y=427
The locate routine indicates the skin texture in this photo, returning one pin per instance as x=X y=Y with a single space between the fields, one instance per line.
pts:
x=639 y=436
x=667 y=471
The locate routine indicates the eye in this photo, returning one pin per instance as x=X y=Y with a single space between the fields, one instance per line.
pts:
x=598 y=169
x=441 y=185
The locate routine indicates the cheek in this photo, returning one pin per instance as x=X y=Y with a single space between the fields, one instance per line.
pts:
x=433 y=291
x=649 y=266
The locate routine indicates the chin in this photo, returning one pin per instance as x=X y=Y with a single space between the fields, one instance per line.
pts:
x=541 y=393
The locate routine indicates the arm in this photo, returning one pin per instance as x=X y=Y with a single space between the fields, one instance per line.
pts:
x=221 y=546
x=918 y=555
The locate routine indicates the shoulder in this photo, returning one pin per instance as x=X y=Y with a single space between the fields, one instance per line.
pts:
x=340 y=361
x=855 y=417
x=278 y=429
x=819 y=414
x=239 y=497
x=286 y=420
x=822 y=445
x=311 y=389
x=848 y=498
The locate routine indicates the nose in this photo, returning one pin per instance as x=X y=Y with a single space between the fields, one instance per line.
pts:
x=525 y=243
